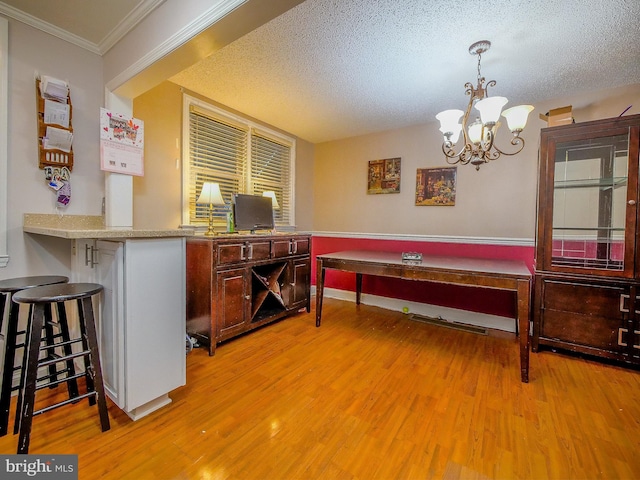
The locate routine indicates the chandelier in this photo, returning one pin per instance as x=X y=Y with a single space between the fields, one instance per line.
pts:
x=479 y=136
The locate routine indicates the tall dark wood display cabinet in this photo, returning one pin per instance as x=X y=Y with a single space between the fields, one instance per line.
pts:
x=587 y=278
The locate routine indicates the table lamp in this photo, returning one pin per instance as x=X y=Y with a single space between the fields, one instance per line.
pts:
x=210 y=194
x=274 y=204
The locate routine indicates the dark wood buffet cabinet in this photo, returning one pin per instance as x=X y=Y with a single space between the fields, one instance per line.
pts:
x=236 y=283
x=587 y=275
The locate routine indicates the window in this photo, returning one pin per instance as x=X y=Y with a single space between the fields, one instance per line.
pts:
x=240 y=155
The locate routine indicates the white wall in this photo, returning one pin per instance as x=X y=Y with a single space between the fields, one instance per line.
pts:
x=496 y=202
x=32 y=51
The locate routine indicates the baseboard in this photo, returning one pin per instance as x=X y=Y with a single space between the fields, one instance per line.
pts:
x=450 y=314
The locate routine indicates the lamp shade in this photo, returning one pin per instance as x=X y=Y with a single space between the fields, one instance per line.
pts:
x=449 y=121
x=210 y=194
x=517 y=117
x=475 y=132
x=272 y=195
x=490 y=109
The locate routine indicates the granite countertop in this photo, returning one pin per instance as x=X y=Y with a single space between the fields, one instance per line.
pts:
x=90 y=226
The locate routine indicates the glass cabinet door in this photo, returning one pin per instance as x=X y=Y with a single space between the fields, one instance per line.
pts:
x=593 y=215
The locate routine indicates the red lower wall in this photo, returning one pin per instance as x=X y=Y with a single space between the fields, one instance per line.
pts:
x=480 y=300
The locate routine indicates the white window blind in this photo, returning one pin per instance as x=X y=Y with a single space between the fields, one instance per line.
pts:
x=270 y=171
x=240 y=156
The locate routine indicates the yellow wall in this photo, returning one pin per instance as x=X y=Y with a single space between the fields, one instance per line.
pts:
x=157 y=196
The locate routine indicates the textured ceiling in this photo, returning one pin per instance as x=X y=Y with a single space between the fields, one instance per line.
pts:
x=329 y=69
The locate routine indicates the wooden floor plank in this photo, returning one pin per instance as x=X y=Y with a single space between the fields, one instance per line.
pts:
x=370 y=394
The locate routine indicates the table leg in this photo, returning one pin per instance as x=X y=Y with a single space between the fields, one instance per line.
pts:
x=319 y=290
x=524 y=311
x=358 y=287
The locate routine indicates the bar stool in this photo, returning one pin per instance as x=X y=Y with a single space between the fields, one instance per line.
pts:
x=9 y=287
x=39 y=298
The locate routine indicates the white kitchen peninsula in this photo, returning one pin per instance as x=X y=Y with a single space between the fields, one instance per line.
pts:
x=141 y=324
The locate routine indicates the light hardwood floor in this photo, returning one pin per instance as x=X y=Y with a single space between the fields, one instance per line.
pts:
x=369 y=395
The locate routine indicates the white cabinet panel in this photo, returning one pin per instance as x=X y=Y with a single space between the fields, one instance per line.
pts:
x=141 y=317
x=155 y=318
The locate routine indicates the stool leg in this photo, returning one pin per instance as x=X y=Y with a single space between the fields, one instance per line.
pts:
x=89 y=332
x=9 y=360
x=51 y=349
x=32 y=346
x=23 y=364
x=3 y=302
x=89 y=379
x=72 y=385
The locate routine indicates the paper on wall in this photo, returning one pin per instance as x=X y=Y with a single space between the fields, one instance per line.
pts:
x=56 y=113
x=57 y=138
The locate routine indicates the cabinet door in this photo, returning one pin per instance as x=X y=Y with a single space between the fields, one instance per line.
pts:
x=588 y=198
x=84 y=258
x=232 y=302
x=109 y=320
x=298 y=293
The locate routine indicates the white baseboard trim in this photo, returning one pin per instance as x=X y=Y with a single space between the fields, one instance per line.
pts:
x=451 y=314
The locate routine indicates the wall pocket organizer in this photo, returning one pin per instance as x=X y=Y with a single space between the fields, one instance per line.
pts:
x=55 y=131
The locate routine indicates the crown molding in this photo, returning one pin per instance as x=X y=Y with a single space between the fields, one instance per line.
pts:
x=212 y=15
x=126 y=25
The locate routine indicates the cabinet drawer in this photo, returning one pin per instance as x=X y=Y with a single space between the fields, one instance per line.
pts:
x=259 y=250
x=290 y=246
x=581 y=314
x=585 y=299
x=229 y=253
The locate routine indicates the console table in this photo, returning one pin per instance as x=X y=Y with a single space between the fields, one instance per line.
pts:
x=236 y=283
x=510 y=275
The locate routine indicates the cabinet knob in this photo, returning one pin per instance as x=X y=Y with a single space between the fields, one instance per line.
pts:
x=631 y=202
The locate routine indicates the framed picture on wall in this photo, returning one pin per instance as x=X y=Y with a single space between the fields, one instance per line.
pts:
x=436 y=186
x=384 y=176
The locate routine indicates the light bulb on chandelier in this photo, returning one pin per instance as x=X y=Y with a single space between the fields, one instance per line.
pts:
x=479 y=136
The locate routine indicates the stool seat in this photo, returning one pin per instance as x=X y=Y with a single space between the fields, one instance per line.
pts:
x=8 y=287
x=57 y=293
x=41 y=298
x=17 y=284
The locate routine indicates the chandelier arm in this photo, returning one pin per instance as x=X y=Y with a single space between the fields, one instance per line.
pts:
x=517 y=140
x=450 y=153
x=490 y=135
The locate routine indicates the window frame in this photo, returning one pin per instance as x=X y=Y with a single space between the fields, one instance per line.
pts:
x=253 y=128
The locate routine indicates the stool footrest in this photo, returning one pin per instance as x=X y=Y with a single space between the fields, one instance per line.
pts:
x=65 y=402
x=46 y=363
x=58 y=382
x=60 y=344
x=53 y=375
